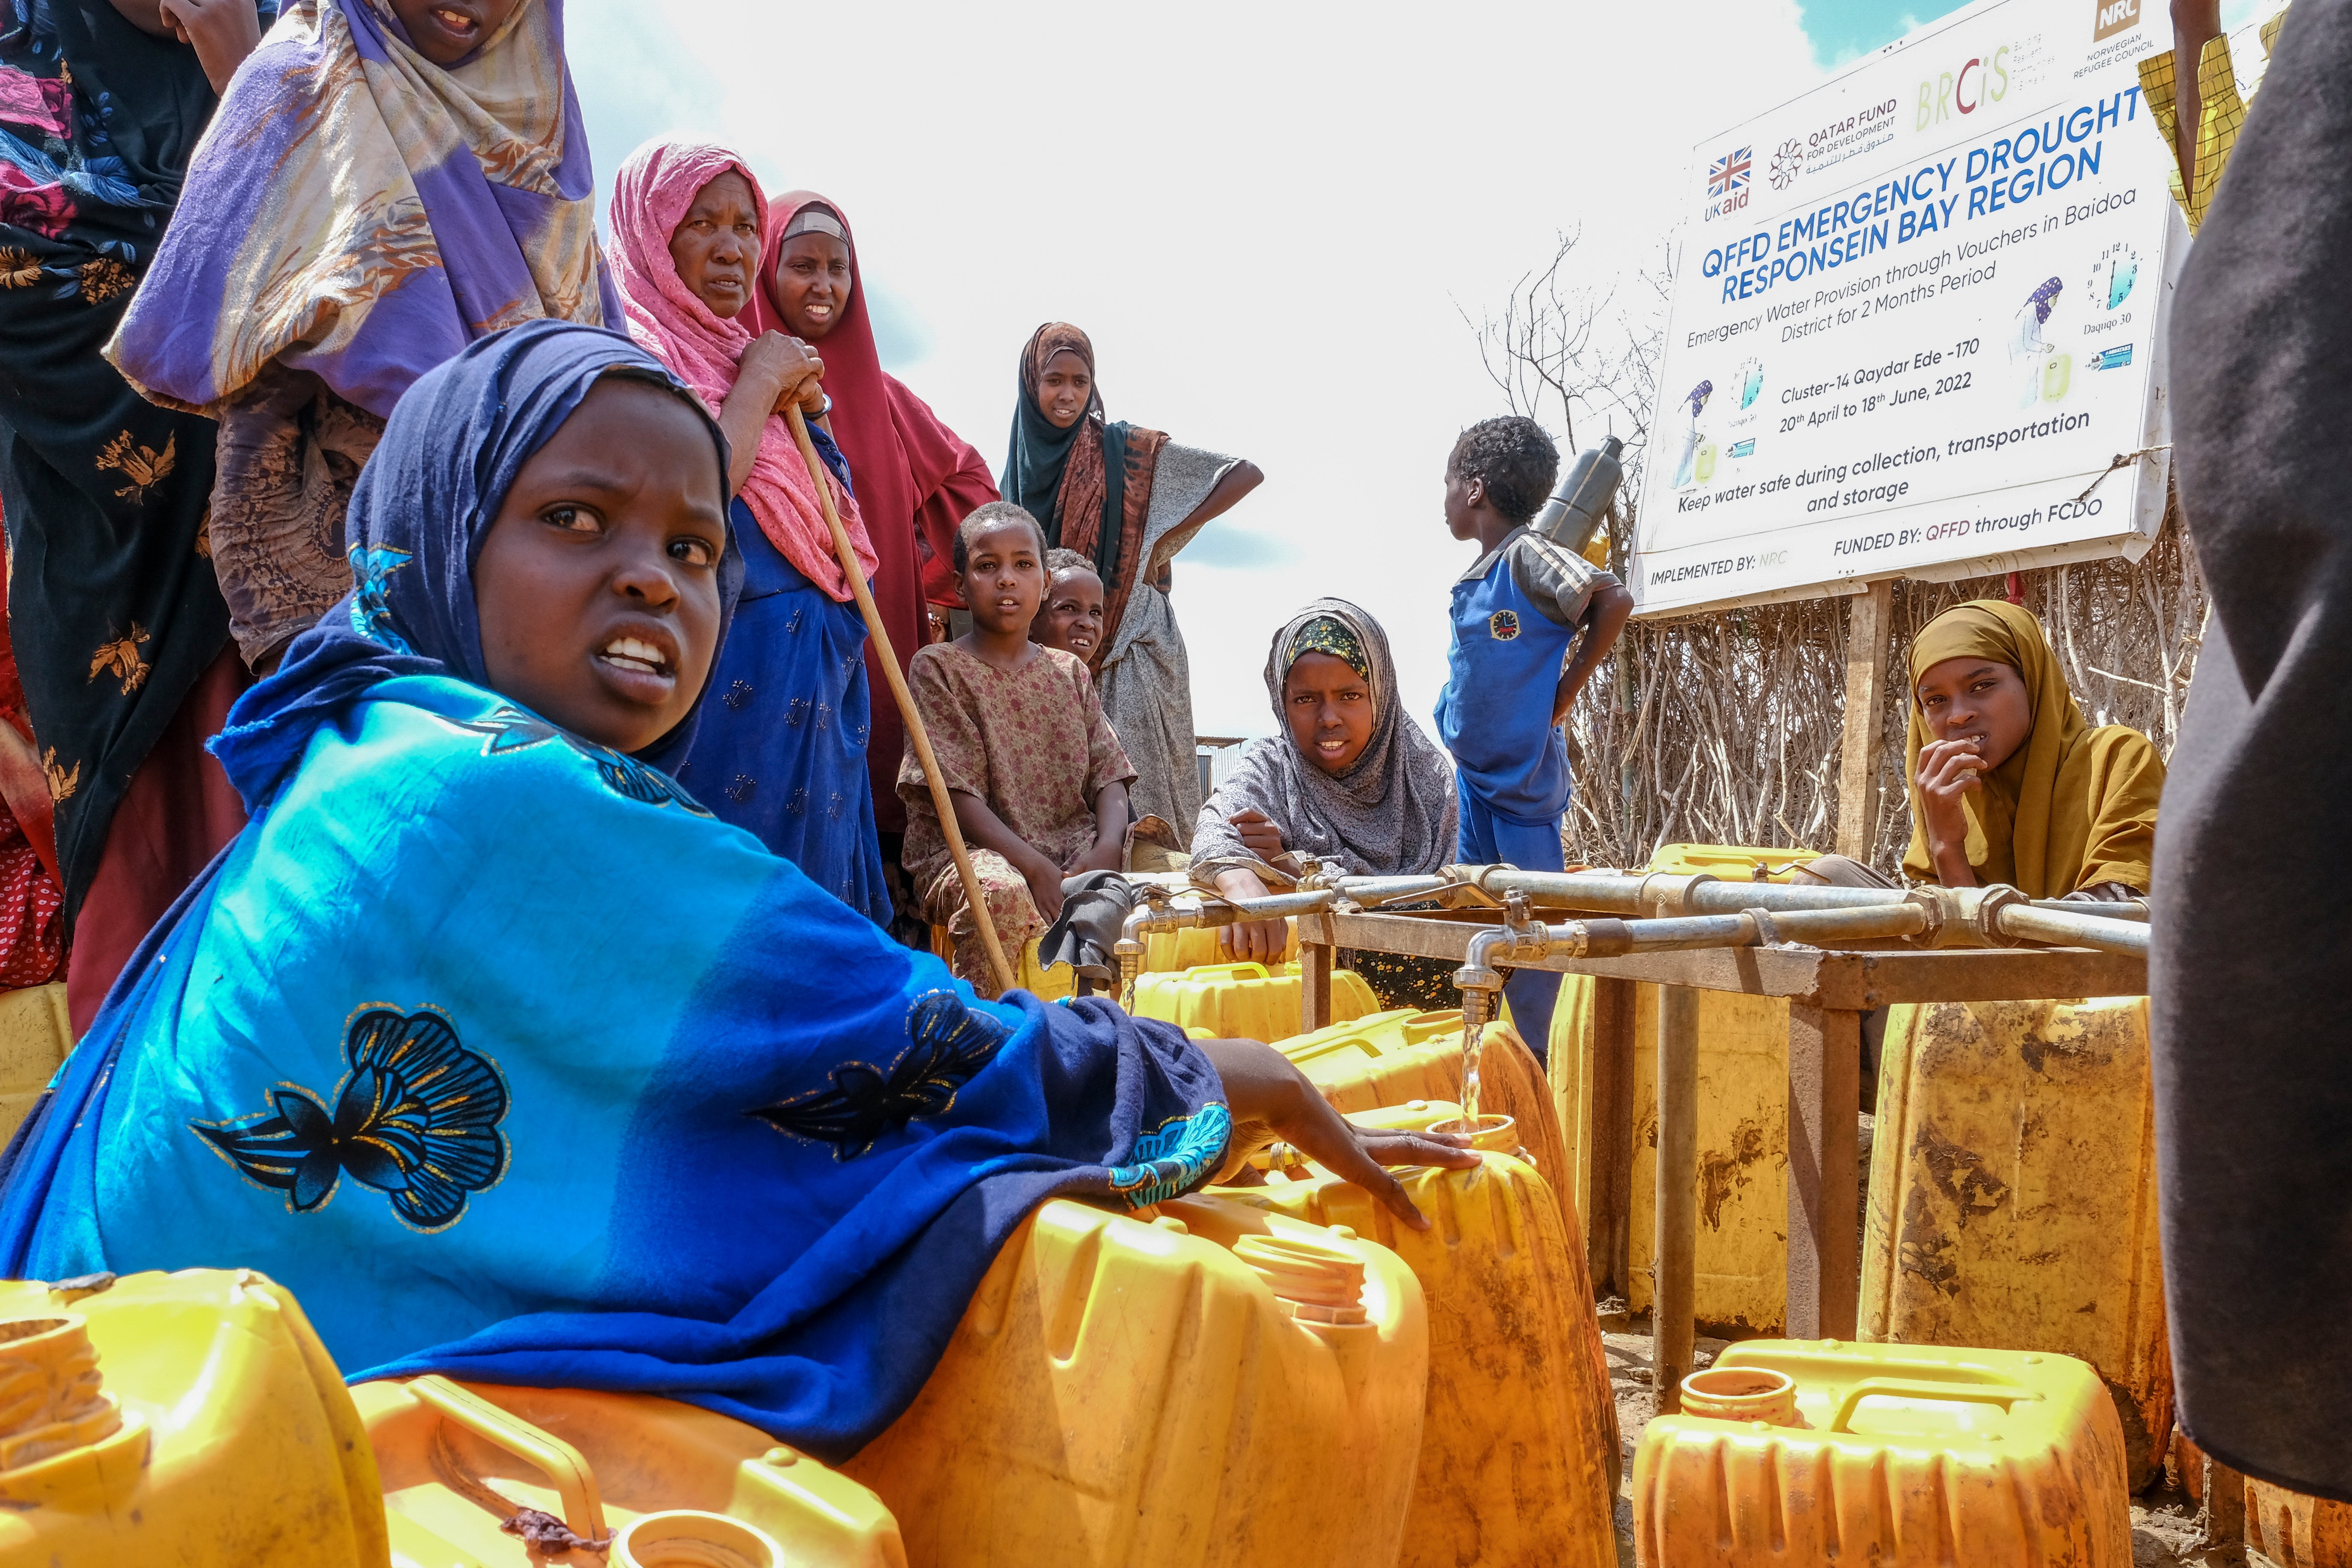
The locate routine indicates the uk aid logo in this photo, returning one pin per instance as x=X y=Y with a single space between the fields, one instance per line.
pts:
x=1726 y=183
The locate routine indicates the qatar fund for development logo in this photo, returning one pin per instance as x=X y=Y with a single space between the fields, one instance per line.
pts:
x=1726 y=183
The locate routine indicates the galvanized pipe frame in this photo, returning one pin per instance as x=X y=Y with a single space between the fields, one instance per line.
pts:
x=1952 y=916
x=1824 y=1279
x=1699 y=893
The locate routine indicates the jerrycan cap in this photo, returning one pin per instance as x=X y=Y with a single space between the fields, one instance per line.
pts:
x=52 y=1399
x=1753 y=1393
x=1497 y=1135
x=689 y=1538
x=1316 y=1282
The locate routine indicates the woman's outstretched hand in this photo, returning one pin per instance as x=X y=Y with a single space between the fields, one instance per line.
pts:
x=1251 y=941
x=1272 y=1102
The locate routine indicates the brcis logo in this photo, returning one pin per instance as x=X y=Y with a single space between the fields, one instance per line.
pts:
x=1983 y=80
x=2114 y=16
x=1726 y=183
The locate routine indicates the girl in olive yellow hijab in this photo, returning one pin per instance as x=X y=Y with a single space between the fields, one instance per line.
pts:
x=2008 y=782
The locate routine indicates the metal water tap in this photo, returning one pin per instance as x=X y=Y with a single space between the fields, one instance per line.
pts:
x=1129 y=949
x=1521 y=937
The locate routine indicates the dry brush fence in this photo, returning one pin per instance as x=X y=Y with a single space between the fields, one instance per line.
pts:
x=1727 y=727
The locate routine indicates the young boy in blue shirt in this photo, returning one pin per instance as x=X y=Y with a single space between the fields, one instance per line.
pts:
x=1511 y=681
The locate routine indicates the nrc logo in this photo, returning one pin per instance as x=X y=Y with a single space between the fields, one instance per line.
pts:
x=2114 y=16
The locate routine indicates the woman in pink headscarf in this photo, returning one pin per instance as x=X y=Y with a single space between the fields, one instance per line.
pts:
x=781 y=751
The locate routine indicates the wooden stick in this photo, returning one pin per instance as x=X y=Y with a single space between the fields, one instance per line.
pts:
x=929 y=763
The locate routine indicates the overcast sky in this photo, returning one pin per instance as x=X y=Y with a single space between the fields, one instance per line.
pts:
x=1271 y=218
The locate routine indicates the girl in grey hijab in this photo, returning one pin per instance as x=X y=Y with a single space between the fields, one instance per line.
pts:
x=1346 y=779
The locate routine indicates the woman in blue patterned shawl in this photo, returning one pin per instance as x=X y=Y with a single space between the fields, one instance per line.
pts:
x=512 y=1061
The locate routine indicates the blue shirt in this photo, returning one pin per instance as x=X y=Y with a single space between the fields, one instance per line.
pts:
x=1512 y=629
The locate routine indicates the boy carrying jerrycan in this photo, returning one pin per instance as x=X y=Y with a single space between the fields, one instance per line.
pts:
x=1511 y=682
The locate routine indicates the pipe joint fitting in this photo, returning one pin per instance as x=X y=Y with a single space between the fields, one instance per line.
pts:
x=1662 y=895
x=1475 y=977
x=1989 y=906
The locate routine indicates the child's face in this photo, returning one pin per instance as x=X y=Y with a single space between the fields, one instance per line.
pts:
x=1004 y=578
x=598 y=585
x=1071 y=618
x=1064 y=389
x=1979 y=701
x=812 y=284
x=1329 y=710
x=715 y=246
x=446 y=31
x=1461 y=496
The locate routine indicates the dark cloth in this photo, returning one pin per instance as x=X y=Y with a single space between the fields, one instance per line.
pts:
x=1095 y=907
x=1090 y=486
x=781 y=748
x=178 y=813
x=2253 y=1092
x=104 y=492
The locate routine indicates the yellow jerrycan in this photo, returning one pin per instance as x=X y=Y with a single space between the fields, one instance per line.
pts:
x=184 y=1418
x=1806 y=1454
x=1518 y=1450
x=1245 y=1001
x=1196 y=946
x=481 y=1476
x=1124 y=1391
x=2293 y=1530
x=1742 y=1283
x=1192 y=948
x=2013 y=1195
x=1732 y=862
x=1392 y=1057
x=1741 y=1261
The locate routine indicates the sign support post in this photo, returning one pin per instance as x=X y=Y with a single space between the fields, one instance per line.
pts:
x=1866 y=713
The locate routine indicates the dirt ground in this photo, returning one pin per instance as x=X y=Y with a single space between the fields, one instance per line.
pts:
x=2164 y=1522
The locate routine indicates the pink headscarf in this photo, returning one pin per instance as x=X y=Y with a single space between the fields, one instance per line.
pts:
x=650 y=196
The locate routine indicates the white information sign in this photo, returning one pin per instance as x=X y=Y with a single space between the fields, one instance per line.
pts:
x=1917 y=311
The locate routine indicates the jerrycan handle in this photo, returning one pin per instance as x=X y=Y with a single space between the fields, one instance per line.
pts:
x=2002 y=1393
x=1228 y=972
x=575 y=1483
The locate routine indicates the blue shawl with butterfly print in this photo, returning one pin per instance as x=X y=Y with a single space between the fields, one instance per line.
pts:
x=515 y=1064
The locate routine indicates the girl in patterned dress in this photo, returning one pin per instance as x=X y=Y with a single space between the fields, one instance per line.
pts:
x=1038 y=779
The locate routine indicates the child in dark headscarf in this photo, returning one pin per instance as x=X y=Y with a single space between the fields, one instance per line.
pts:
x=916 y=479
x=1128 y=499
x=515 y=1065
